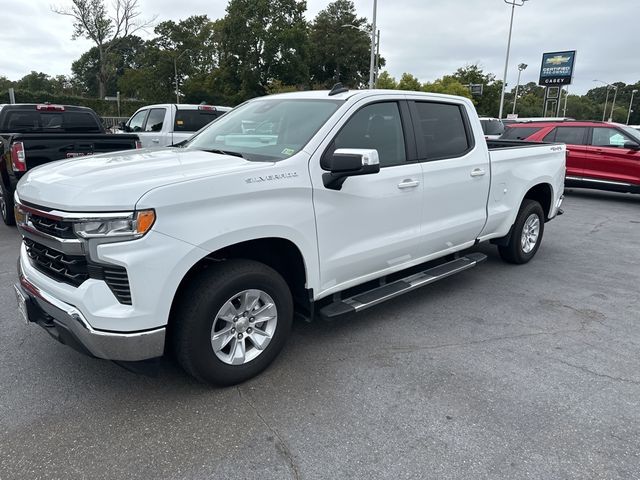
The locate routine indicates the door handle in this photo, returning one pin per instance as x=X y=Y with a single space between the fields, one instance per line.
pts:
x=155 y=140
x=477 y=172
x=408 y=183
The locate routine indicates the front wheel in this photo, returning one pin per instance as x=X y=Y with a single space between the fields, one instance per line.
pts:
x=6 y=206
x=232 y=321
x=527 y=234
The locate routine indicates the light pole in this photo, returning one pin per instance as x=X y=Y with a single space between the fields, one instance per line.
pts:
x=514 y=4
x=613 y=104
x=521 y=67
x=606 y=98
x=375 y=49
x=373 y=45
x=633 y=92
x=175 y=71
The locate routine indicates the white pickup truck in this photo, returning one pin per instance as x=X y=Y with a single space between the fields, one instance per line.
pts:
x=169 y=124
x=315 y=203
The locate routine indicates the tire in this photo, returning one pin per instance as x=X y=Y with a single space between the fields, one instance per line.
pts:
x=217 y=292
x=520 y=250
x=6 y=205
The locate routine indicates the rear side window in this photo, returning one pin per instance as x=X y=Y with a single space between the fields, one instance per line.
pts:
x=519 y=133
x=568 y=135
x=442 y=128
x=155 y=120
x=30 y=121
x=492 y=126
x=194 y=120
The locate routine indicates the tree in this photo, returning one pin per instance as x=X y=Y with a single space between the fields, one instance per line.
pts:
x=386 y=81
x=35 y=82
x=447 y=85
x=409 y=82
x=262 y=41
x=489 y=102
x=92 y=21
x=86 y=70
x=340 y=46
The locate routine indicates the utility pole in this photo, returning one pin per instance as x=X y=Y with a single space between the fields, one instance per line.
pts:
x=521 y=67
x=175 y=71
x=633 y=92
x=613 y=104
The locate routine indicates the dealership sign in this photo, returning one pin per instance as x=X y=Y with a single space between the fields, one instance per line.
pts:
x=557 y=68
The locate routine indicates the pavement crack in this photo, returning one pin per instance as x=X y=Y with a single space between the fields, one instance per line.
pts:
x=283 y=448
x=598 y=374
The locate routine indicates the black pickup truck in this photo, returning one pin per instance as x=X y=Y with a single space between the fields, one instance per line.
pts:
x=32 y=135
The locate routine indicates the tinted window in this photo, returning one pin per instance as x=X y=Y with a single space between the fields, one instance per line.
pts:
x=155 y=120
x=378 y=127
x=609 y=137
x=442 y=128
x=568 y=135
x=492 y=126
x=519 y=133
x=194 y=120
x=137 y=121
x=24 y=121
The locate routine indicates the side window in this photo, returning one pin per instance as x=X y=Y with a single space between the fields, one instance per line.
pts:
x=608 y=137
x=442 y=129
x=568 y=135
x=155 y=120
x=377 y=126
x=137 y=121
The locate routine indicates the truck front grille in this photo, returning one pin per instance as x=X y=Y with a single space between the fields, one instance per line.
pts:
x=56 y=228
x=64 y=268
x=74 y=270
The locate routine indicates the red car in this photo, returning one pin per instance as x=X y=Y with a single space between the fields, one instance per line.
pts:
x=600 y=155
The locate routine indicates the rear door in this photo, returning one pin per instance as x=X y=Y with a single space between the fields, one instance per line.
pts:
x=609 y=157
x=153 y=134
x=455 y=172
x=576 y=140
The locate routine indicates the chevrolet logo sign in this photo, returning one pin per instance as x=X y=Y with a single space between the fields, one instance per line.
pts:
x=558 y=60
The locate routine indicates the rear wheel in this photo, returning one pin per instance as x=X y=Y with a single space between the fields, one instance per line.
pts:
x=232 y=322
x=527 y=234
x=6 y=205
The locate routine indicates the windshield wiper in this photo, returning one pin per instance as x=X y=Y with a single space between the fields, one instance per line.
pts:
x=225 y=152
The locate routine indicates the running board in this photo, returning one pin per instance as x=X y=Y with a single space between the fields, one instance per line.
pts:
x=391 y=290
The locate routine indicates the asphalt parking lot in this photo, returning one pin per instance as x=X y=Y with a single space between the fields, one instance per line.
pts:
x=500 y=372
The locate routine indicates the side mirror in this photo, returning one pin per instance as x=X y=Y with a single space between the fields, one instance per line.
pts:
x=632 y=146
x=350 y=162
x=123 y=126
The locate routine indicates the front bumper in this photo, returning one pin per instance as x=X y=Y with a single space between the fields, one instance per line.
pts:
x=67 y=324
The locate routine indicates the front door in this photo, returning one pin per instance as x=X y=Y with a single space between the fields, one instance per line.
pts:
x=371 y=226
x=611 y=158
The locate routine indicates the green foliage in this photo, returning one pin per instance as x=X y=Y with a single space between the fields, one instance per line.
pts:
x=448 y=85
x=262 y=40
x=386 y=81
x=488 y=103
x=340 y=46
x=409 y=82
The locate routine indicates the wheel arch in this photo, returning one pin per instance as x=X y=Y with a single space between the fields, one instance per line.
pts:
x=543 y=194
x=281 y=254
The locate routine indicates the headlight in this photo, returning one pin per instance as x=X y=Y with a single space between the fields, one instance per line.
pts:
x=128 y=225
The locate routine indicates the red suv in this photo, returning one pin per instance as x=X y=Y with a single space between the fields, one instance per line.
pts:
x=600 y=155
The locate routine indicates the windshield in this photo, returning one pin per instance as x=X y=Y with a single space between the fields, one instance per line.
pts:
x=268 y=129
x=633 y=133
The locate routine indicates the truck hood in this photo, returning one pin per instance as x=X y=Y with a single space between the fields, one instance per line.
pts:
x=112 y=182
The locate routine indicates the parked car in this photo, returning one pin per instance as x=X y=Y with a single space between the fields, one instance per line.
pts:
x=32 y=135
x=346 y=200
x=492 y=127
x=510 y=121
x=600 y=155
x=169 y=124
